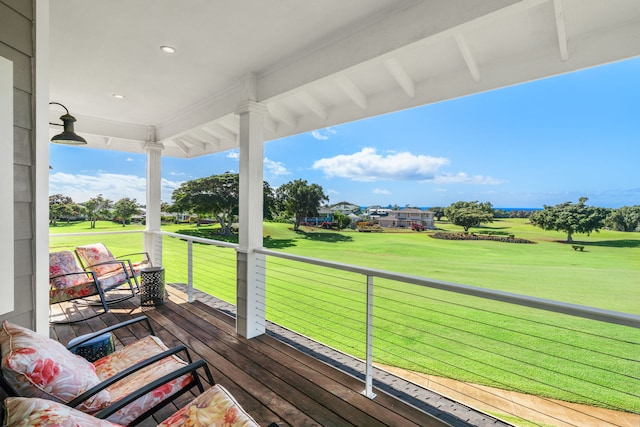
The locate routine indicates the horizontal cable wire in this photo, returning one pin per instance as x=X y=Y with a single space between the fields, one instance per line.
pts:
x=384 y=305
x=519 y=346
x=529 y=320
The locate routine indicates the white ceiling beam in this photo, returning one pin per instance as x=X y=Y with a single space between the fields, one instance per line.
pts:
x=313 y=104
x=468 y=57
x=207 y=137
x=107 y=128
x=181 y=145
x=231 y=122
x=269 y=124
x=401 y=76
x=415 y=23
x=558 y=8
x=281 y=114
x=352 y=91
x=221 y=132
x=194 y=141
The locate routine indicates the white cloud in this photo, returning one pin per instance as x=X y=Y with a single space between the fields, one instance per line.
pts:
x=463 y=178
x=233 y=155
x=275 y=168
x=129 y=159
x=380 y=191
x=323 y=134
x=368 y=165
x=81 y=187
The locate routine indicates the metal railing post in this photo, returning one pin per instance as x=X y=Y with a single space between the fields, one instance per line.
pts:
x=190 y=271
x=368 y=391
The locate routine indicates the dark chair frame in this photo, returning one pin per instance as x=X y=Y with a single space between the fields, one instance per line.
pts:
x=191 y=368
x=100 y=290
x=125 y=259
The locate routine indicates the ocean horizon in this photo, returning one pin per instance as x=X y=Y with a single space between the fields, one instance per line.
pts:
x=427 y=207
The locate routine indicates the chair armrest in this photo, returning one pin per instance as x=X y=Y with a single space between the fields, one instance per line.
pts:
x=189 y=369
x=125 y=373
x=114 y=261
x=91 y=274
x=146 y=255
x=113 y=328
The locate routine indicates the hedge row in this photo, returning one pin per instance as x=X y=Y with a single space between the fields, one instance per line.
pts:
x=472 y=236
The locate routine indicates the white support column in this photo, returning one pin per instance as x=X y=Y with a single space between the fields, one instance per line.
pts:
x=153 y=242
x=250 y=285
x=40 y=146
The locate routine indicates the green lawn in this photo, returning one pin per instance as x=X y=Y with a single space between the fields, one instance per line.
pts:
x=605 y=275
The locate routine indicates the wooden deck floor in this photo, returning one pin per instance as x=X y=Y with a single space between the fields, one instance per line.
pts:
x=271 y=380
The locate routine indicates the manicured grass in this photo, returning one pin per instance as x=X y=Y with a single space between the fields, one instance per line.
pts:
x=606 y=275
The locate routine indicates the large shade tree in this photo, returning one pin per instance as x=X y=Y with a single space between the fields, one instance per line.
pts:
x=125 y=208
x=438 y=212
x=61 y=206
x=626 y=218
x=570 y=218
x=300 y=199
x=217 y=195
x=96 y=208
x=469 y=214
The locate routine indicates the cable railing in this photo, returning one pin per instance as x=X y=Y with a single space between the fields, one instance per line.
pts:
x=517 y=357
x=530 y=361
x=200 y=263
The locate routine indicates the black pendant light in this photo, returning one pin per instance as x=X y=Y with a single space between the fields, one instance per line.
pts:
x=68 y=135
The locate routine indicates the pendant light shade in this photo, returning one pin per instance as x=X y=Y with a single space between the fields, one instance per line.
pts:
x=68 y=135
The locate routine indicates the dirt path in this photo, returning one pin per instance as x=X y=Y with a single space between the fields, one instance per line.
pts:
x=540 y=410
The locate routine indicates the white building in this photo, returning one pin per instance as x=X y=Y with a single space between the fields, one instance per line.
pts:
x=404 y=218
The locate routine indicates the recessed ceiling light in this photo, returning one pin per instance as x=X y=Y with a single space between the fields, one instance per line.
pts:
x=118 y=96
x=168 y=49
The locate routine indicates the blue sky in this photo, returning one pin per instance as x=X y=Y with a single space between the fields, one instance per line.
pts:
x=544 y=142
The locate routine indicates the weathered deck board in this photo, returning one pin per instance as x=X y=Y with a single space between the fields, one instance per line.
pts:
x=272 y=381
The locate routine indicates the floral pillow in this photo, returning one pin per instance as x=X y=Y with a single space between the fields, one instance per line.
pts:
x=96 y=254
x=37 y=366
x=216 y=407
x=65 y=262
x=25 y=412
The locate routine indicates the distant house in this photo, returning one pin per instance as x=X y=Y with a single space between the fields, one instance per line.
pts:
x=376 y=212
x=404 y=218
x=325 y=213
x=345 y=208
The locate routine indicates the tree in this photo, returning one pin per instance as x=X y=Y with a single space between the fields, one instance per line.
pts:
x=165 y=207
x=217 y=195
x=570 y=218
x=269 y=203
x=438 y=212
x=341 y=220
x=300 y=199
x=60 y=206
x=469 y=214
x=626 y=218
x=125 y=208
x=96 y=208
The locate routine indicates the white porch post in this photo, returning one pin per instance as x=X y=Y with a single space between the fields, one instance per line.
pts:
x=250 y=319
x=152 y=241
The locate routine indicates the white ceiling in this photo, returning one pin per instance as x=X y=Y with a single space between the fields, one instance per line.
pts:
x=315 y=63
